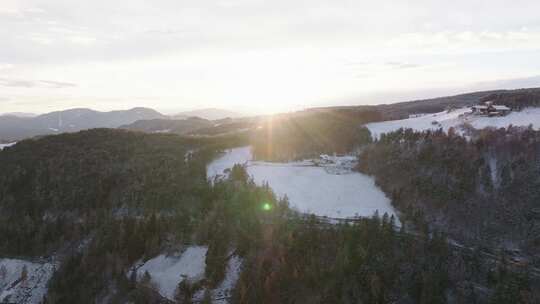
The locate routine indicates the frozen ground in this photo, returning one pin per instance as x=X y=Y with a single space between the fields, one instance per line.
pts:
x=168 y=271
x=222 y=293
x=2 y=146
x=234 y=156
x=30 y=290
x=312 y=189
x=524 y=117
x=455 y=119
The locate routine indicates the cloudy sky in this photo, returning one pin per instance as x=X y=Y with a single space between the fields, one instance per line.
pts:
x=259 y=55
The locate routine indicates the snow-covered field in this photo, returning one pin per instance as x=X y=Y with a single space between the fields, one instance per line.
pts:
x=16 y=289
x=311 y=189
x=167 y=271
x=2 y=146
x=524 y=117
x=455 y=119
x=235 y=156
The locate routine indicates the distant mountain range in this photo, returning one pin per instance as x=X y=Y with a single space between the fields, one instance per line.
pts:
x=14 y=128
x=19 y=114
x=209 y=113
x=211 y=121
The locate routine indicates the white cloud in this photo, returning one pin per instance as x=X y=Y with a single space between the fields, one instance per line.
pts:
x=81 y=40
x=6 y=66
x=282 y=52
x=24 y=83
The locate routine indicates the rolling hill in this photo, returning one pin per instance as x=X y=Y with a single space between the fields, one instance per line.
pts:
x=209 y=113
x=13 y=128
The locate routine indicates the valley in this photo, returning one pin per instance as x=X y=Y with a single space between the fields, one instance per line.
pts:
x=269 y=152
x=325 y=205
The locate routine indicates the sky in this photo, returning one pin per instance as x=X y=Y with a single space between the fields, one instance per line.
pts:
x=258 y=56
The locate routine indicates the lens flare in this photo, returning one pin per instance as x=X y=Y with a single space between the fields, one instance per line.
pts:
x=267 y=207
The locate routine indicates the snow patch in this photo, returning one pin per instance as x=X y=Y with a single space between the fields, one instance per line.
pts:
x=163 y=131
x=168 y=271
x=492 y=162
x=223 y=292
x=14 y=288
x=189 y=155
x=2 y=146
x=216 y=169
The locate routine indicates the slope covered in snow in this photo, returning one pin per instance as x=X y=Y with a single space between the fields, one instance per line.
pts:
x=312 y=189
x=455 y=119
x=226 y=161
x=524 y=117
x=223 y=291
x=2 y=146
x=23 y=281
x=167 y=271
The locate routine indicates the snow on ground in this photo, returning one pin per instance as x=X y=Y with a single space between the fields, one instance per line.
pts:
x=312 y=189
x=524 y=117
x=15 y=289
x=456 y=118
x=492 y=162
x=189 y=154
x=222 y=293
x=163 y=131
x=168 y=271
x=425 y=122
x=2 y=146
x=227 y=161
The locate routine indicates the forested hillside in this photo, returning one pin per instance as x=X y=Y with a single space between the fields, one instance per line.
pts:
x=58 y=188
x=517 y=99
x=310 y=133
x=98 y=202
x=183 y=126
x=482 y=191
x=330 y=130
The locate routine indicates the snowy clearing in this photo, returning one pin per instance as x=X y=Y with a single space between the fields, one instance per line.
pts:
x=167 y=271
x=14 y=288
x=2 y=146
x=455 y=119
x=162 y=131
x=234 y=156
x=321 y=190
